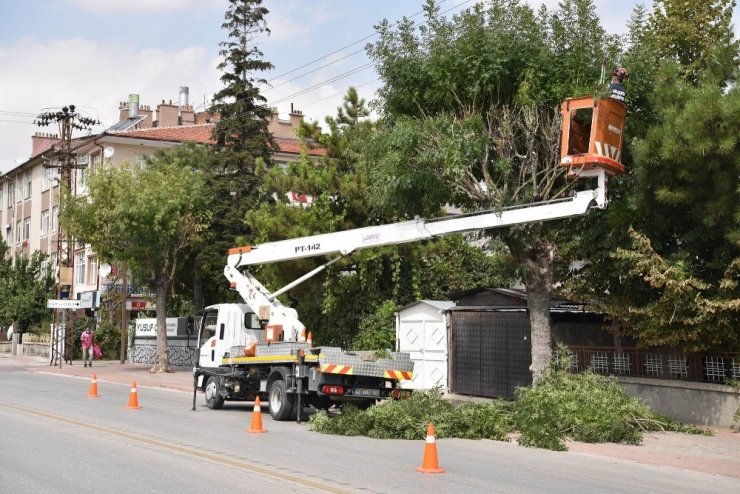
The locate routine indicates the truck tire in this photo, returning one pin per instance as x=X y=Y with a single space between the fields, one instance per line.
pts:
x=214 y=400
x=282 y=403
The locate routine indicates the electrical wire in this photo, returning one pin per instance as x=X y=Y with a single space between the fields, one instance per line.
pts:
x=335 y=78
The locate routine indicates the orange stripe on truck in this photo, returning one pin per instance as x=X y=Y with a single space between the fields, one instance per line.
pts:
x=337 y=369
x=240 y=250
x=398 y=375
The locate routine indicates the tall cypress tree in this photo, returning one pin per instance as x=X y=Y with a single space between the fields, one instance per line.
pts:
x=243 y=142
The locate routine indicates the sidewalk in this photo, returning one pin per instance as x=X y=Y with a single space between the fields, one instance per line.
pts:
x=718 y=454
x=111 y=371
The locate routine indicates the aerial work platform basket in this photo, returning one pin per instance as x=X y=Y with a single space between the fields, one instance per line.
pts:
x=592 y=135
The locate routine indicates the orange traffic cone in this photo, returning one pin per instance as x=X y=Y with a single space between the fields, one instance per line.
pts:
x=430 y=463
x=92 y=391
x=309 y=340
x=133 y=398
x=256 y=418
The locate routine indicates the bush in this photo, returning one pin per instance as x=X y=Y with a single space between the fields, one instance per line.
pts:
x=351 y=422
x=585 y=407
x=408 y=419
x=378 y=330
x=109 y=339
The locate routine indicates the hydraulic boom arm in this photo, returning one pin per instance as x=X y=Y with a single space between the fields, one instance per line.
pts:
x=343 y=243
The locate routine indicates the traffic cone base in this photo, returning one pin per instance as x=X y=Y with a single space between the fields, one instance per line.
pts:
x=92 y=391
x=430 y=464
x=133 y=398
x=256 y=426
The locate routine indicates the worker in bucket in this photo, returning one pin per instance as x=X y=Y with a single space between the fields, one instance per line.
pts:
x=619 y=75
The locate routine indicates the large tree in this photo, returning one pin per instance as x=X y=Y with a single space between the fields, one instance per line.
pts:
x=148 y=215
x=243 y=143
x=367 y=283
x=24 y=289
x=471 y=119
x=668 y=271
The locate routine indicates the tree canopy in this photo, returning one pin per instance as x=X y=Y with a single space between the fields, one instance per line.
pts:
x=471 y=119
x=148 y=215
x=664 y=263
x=25 y=286
x=242 y=145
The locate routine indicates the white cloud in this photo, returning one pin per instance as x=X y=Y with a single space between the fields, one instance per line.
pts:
x=100 y=6
x=94 y=77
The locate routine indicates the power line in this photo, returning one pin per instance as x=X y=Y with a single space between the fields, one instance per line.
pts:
x=338 y=93
x=314 y=70
x=340 y=76
x=17 y=121
x=323 y=83
x=352 y=44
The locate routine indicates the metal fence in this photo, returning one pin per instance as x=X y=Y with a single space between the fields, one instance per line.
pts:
x=660 y=364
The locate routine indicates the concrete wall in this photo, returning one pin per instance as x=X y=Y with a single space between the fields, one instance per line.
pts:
x=41 y=349
x=688 y=402
x=181 y=350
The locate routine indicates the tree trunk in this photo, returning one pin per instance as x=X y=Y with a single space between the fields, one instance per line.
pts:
x=161 y=364
x=538 y=260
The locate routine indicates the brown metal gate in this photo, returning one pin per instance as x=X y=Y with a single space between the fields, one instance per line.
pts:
x=490 y=352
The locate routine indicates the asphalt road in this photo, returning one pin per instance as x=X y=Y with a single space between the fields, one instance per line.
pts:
x=56 y=439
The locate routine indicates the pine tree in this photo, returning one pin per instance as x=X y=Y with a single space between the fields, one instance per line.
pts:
x=243 y=143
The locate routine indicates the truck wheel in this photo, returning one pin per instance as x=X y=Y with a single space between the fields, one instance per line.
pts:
x=213 y=399
x=282 y=404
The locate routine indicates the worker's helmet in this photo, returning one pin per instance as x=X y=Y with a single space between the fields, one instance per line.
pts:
x=621 y=73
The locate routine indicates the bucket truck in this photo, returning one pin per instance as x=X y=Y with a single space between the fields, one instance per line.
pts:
x=261 y=348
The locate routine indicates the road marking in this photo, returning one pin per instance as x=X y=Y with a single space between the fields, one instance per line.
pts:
x=242 y=465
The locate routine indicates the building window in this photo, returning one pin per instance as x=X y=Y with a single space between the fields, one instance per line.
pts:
x=11 y=195
x=9 y=234
x=18 y=231
x=82 y=177
x=54 y=218
x=27 y=186
x=94 y=161
x=93 y=270
x=45 y=178
x=45 y=222
x=54 y=264
x=26 y=228
x=80 y=268
x=1 y=196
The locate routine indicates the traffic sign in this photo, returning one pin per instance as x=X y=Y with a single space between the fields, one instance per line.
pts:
x=62 y=304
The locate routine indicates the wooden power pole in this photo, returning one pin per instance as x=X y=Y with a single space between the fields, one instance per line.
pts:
x=65 y=161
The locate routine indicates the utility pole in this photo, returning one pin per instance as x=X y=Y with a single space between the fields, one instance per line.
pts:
x=65 y=162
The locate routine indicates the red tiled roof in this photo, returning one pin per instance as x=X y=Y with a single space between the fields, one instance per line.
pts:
x=197 y=133
x=202 y=134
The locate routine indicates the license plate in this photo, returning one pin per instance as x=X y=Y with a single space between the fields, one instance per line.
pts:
x=373 y=393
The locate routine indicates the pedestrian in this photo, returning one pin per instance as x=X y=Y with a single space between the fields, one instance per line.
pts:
x=619 y=92
x=88 y=341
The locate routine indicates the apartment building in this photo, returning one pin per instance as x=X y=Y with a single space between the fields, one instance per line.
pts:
x=29 y=193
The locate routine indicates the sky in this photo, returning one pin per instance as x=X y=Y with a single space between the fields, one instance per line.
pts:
x=94 y=53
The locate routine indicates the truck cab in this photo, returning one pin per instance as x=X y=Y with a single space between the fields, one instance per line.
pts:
x=224 y=327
